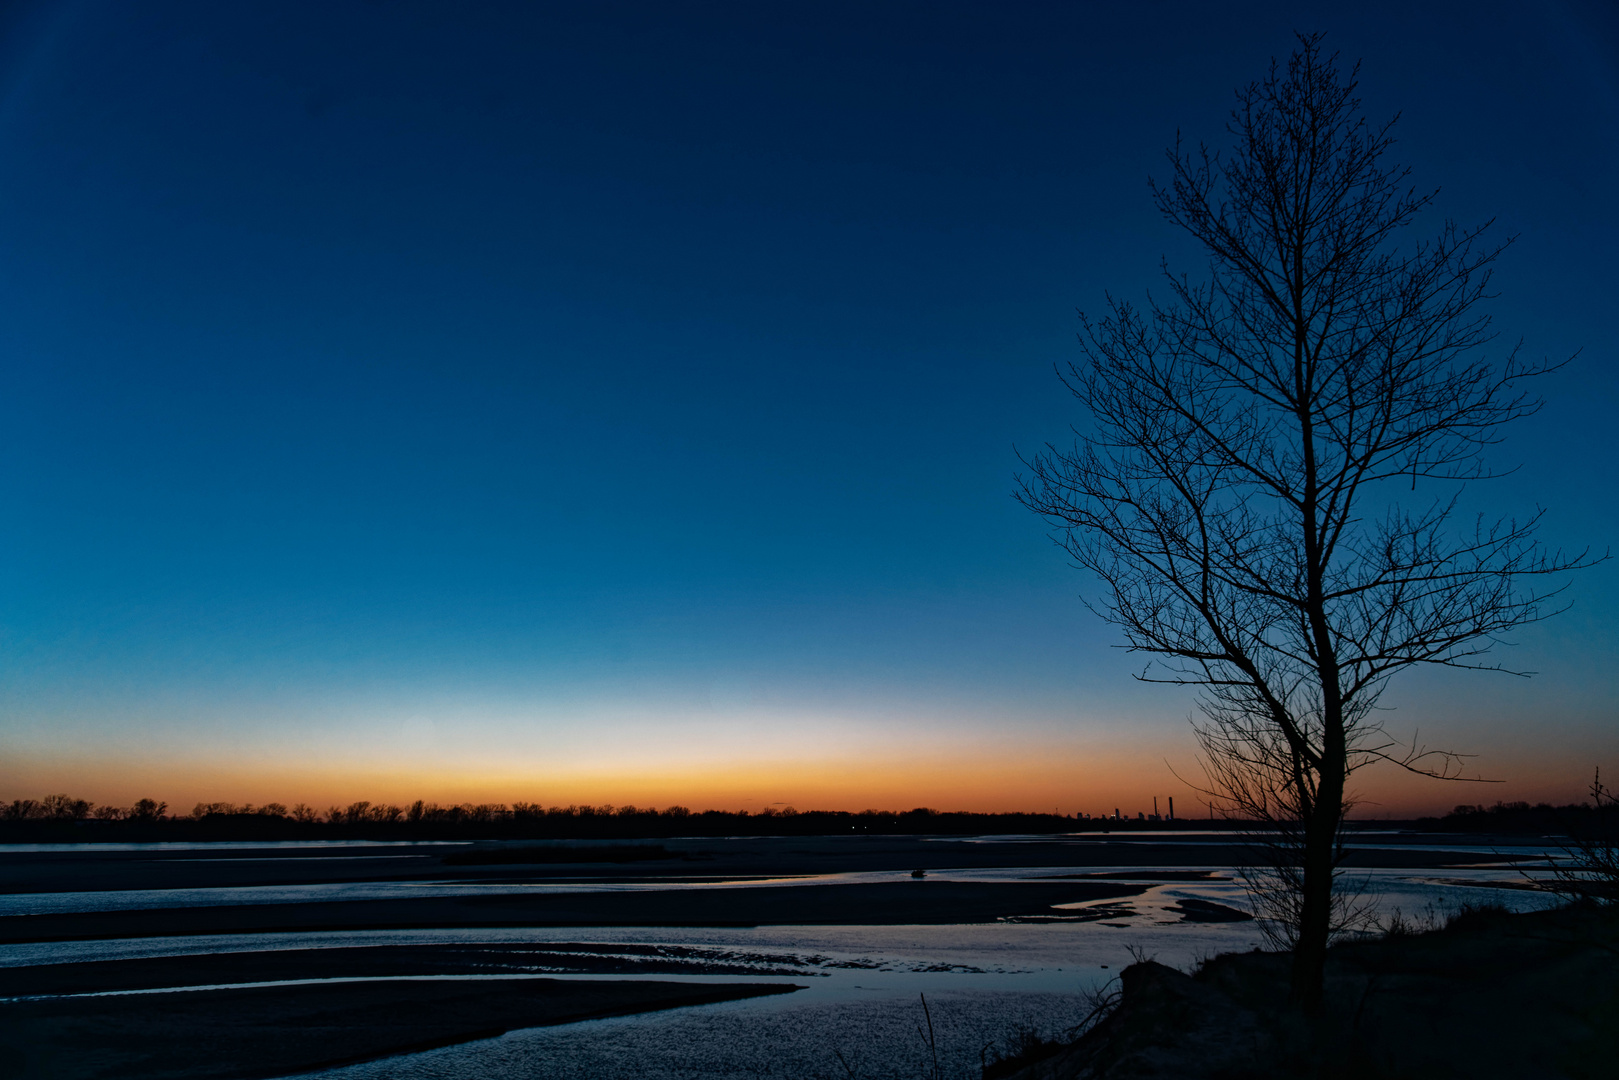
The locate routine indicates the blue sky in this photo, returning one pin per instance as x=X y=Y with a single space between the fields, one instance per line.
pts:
x=620 y=402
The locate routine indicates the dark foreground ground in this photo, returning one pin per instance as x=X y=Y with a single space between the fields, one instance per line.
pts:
x=1493 y=997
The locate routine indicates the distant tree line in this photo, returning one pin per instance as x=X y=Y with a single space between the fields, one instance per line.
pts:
x=61 y=818
x=67 y=808
x=1573 y=819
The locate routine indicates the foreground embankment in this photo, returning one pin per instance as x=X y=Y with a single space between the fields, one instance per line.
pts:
x=1493 y=995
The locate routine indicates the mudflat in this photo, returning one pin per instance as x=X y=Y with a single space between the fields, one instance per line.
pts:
x=369 y=962
x=249 y=1034
x=881 y=903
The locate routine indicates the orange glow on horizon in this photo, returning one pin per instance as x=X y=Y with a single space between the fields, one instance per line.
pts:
x=1066 y=781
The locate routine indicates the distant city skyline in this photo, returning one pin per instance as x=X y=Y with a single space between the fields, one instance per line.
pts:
x=621 y=405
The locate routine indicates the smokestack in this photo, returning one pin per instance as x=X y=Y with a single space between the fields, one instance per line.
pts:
x=1172 y=808
x=1155 y=806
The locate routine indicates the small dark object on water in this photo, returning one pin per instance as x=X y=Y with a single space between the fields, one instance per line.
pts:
x=919 y=873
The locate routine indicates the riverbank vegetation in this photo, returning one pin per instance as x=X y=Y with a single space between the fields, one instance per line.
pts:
x=64 y=819
x=1487 y=994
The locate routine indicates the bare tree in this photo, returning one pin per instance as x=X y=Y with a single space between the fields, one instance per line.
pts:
x=1247 y=491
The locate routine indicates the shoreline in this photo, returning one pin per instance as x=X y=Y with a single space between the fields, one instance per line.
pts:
x=1491 y=995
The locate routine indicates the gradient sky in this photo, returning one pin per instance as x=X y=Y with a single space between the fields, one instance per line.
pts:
x=619 y=403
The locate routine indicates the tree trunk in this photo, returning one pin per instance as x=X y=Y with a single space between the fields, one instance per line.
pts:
x=1320 y=858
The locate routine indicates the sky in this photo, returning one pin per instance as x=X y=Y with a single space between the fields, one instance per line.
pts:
x=622 y=402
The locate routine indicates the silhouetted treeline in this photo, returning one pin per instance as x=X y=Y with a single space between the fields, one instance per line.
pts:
x=1517 y=817
x=61 y=819
x=64 y=819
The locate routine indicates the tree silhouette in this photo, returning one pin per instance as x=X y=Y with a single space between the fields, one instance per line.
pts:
x=1248 y=492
